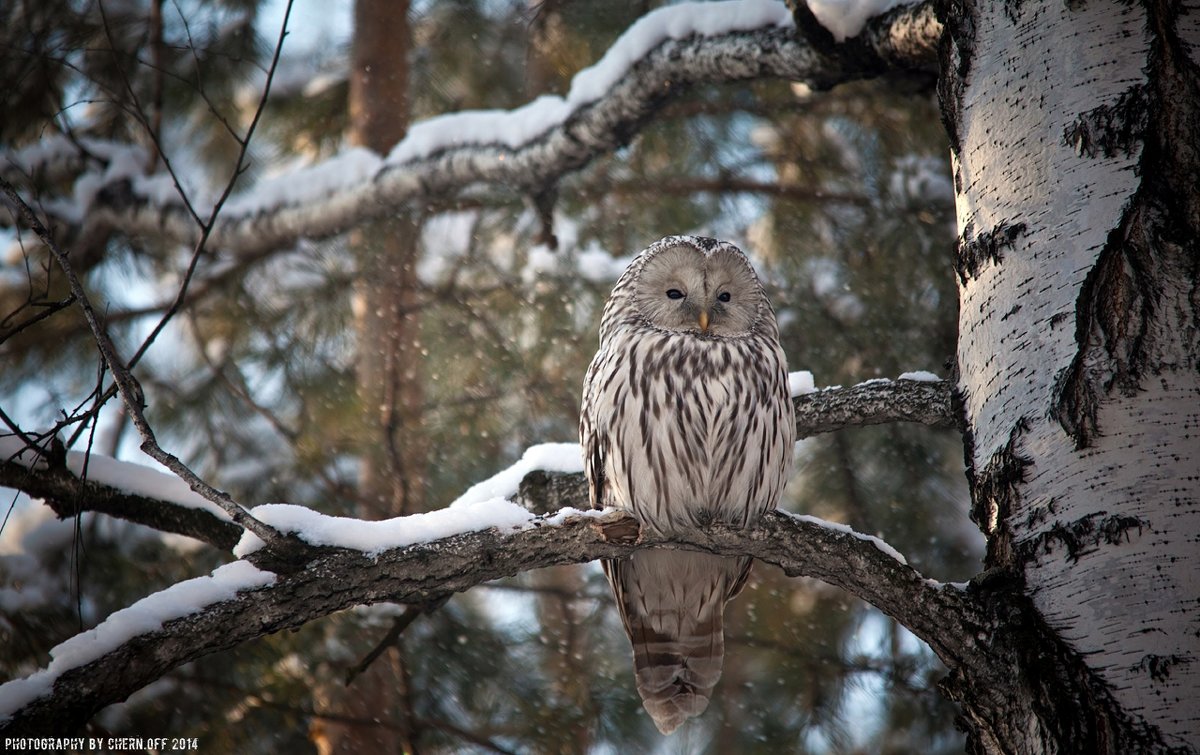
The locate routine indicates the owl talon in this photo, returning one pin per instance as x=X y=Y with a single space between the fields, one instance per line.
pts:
x=623 y=531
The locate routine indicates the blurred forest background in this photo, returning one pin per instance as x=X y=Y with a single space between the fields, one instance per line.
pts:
x=384 y=371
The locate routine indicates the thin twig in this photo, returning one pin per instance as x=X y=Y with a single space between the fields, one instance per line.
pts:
x=399 y=624
x=123 y=379
x=131 y=391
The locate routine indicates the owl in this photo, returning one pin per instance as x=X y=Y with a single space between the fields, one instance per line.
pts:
x=686 y=420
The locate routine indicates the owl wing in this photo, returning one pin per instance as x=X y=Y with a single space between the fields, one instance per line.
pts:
x=593 y=435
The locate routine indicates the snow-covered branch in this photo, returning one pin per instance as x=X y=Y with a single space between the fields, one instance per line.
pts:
x=162 y=501
x=424 y=558
x=240 y=602
x=527 y=150
x=68 y=495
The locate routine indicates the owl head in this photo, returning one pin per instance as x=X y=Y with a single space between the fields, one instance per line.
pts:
x=696 y=285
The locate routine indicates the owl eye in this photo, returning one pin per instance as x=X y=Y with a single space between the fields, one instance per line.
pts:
x=724 y=296
x=674 y=293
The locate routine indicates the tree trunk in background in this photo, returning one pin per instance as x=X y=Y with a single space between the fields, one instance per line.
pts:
x=393 y=454
x=569 y=666
x=1076 y=140
x=389 y=351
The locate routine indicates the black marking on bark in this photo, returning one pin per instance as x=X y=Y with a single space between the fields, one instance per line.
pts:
x=955 y=52
x=995 y=492
x=1111 y=130
x=862 y=52
x=1144 y=290
x=1040 y=514
x=813 y=31
x=1075 y=404
x=1159 y=666
x=1012 y=9
x=975 y=250
x=1016 y=308
x=1113 y=313
x=1083 y=535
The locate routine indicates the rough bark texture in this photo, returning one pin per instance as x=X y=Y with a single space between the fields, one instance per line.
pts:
x=1076 y=135
x=929 y=403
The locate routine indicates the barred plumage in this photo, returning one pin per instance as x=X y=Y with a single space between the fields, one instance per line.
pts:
x=686 y=419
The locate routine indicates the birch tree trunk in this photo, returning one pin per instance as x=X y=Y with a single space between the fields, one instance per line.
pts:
x=1076 y=140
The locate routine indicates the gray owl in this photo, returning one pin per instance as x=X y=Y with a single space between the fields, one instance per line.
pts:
x=686 y=420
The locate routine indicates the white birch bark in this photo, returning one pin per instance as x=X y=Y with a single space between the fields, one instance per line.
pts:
x=1085 y=464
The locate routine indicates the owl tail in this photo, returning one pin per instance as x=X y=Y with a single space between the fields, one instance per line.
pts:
x=676 y=674
x=673 y=607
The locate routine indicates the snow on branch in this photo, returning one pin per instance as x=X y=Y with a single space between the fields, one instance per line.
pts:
x=239 y=602
x=527 y=150
x=424 y=558
x=79 y=482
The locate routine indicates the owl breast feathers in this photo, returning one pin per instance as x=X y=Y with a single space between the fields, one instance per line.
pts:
x=686 y=419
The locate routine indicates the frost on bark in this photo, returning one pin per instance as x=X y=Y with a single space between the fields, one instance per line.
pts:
x=1076 y=139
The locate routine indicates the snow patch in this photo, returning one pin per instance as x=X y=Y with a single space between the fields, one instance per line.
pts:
x=373 y=538
x=847 y=530
x=485 y=505
x=920 y=376
x=548 y=457
x=800 y=383
x=845 y=18
x=147 y=615
x=136 y=479
x=312 y=183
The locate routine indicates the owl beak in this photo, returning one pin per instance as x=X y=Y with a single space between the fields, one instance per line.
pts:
x=704 y=321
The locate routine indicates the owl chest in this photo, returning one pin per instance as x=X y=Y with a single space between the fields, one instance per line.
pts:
x=691 y=392
x=681 y=434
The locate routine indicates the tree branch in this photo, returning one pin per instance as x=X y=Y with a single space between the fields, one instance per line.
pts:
x=876 y=402
x=357 y=187
x=68 y=495
x=929 y=403
x=801 y=546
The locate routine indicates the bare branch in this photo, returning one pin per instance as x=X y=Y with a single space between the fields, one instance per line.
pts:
x=874 y=402
x=433 y=570
x=131 y=392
